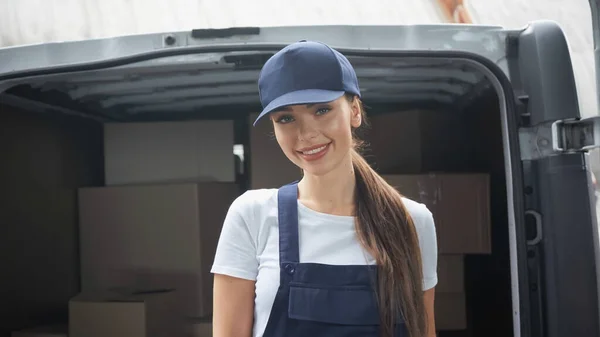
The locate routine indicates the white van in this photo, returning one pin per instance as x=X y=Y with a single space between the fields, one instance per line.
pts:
x=466 y=100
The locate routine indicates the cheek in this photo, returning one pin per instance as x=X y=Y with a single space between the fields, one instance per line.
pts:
x=286 y=141
x=282 y=140
x=340 y=130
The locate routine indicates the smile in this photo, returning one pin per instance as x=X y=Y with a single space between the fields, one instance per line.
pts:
x=314 y=153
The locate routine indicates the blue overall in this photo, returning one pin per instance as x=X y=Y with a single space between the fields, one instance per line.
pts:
x=315 y=299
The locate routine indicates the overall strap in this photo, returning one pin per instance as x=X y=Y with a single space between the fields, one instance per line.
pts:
x=287 y=204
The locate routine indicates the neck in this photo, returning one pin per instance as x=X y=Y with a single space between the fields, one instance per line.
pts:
x=330 y=193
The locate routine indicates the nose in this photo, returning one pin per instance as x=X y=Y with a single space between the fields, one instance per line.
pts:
x=307 y=130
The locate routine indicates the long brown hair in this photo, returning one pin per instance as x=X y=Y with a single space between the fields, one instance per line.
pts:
x=387 y=232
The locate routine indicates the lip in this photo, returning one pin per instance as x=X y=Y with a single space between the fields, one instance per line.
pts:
x=315 y=156
x=312 y=147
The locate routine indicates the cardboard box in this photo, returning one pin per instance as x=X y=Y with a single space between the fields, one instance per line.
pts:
x=118 y=314
x=269 y=167
x=451 y=274
x=450 y=304
x=416 y=141
x=155 y=236
x=190 y=151
x=450 y=311
x=460 y=204
x=43 y=331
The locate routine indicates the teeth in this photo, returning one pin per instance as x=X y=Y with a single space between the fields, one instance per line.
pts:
x=317 y=150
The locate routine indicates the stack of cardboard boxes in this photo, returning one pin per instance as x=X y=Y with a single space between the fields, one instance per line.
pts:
x=412 y=151
x=147 y=238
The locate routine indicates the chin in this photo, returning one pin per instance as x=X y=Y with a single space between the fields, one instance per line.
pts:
x=320 y=169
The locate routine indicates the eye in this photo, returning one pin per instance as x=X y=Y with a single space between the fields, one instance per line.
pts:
x=322 y=111
x=284 y=119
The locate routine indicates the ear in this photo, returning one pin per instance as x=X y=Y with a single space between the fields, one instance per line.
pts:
x=356 y=116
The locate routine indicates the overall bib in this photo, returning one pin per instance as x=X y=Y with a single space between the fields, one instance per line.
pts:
x=315 y=300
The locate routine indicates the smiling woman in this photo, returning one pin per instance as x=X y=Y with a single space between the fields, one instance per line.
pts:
x=340 y=228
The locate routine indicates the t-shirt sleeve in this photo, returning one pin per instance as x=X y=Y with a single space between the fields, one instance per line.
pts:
x=425 y=226
x=236 y=250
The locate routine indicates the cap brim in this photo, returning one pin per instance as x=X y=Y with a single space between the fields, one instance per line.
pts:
x=308 y=96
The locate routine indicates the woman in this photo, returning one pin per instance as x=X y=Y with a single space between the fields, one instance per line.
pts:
x=340 y=253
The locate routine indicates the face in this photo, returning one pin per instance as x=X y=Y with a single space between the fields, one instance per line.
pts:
x=317 y=137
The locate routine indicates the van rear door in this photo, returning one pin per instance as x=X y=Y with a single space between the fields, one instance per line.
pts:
x=559 y=208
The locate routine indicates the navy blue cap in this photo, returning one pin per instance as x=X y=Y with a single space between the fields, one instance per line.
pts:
x=305 y=72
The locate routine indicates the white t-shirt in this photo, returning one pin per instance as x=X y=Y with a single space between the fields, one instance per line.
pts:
x=249 y=244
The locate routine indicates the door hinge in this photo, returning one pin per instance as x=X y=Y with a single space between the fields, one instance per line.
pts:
x=559 y=137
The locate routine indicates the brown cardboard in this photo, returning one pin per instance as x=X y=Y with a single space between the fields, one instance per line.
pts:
x=460 y=205
x=451 y=269
x=450 y=311
x=154 y=236
x=157 y=152
x=450 y=306
x=269 y=167
x=43 y=331
x=416 y=141
x=102 y=314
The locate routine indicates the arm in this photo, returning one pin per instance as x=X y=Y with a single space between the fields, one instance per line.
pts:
x=233 y=306
x=429 y=254
x=235 y=269
x=429 y=297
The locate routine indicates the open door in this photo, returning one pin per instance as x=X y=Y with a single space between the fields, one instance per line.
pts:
x=561 y=246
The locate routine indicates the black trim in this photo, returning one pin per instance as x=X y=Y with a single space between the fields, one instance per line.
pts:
x=524 y=255
x=223 y=33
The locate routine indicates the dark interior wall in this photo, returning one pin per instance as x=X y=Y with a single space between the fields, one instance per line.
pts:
x=488 y=276
x=44 y=160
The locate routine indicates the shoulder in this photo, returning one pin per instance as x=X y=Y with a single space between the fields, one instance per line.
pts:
x=420 y=214
x=236 y=253
x=424 y=225
x=253 y=203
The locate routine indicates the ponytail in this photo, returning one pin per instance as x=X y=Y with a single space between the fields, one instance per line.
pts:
x=386 y=230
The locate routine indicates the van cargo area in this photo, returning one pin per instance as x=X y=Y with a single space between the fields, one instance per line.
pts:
x=115 y=183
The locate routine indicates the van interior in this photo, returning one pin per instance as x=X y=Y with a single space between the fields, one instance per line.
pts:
x=429 y=117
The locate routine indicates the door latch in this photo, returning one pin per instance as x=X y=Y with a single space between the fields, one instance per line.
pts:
x=559 y=137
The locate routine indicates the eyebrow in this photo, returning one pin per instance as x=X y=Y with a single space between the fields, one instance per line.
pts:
x=288 y=109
